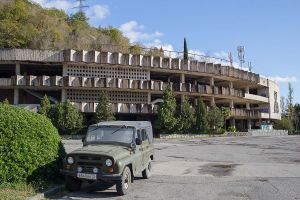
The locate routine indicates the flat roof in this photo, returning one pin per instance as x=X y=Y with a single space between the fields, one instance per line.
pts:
x=136 y=124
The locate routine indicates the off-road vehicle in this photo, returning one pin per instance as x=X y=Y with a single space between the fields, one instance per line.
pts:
x=113 y=153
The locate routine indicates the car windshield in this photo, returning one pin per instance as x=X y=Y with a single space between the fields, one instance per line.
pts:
x=102 y=134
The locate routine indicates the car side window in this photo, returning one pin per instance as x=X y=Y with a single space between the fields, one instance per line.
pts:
x=144 y=135
x=139 y=134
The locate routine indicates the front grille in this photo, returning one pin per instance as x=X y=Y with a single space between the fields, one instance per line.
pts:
x=96 y=158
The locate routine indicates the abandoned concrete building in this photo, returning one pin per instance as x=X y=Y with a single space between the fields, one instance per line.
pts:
x=135 y=83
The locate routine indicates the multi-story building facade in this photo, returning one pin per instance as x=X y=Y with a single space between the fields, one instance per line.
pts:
x=135 y=83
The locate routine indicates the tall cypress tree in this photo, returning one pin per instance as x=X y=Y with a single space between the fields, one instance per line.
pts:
x=201 y=116
x=166 y=114
x=103 y=110
x=187 y=116
x=185 y=51
x=45 y=106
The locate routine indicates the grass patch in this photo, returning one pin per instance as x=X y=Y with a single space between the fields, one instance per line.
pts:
x=16 y=191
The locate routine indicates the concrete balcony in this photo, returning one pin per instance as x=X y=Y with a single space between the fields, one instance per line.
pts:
x=256 y=98
x=119 y=58
x=243 y=113
x=125 y=108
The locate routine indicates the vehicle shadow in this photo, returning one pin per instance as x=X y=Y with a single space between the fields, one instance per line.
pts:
x=94 y=190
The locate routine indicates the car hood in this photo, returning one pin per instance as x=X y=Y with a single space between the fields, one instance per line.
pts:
x=113 y=151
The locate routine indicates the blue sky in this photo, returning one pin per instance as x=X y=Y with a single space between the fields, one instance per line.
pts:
x=269 y=29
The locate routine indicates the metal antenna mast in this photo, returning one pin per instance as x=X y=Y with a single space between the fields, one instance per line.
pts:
x=241 y=54
x=250 y=66
x=81 y=6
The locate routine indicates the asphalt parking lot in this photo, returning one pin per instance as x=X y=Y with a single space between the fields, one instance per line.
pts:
x=214 y=168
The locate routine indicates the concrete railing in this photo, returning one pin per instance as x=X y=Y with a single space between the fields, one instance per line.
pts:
x=83 y=82
x=245 y=113
x=116 y=58
x=256 y=98
x=118 y=107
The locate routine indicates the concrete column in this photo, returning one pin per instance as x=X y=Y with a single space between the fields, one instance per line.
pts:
x=230 y=84
x=16 y=96
x=249 y=124
x=212 y=101
x=247 y=90
x=182 y=98
x=182 y=78
x=65 y=70
x=148 y=75
x=231 y=105
x=63 y=95
x=232 y=122
x=149 y=98
x=212 y=81
x=169 y=79
x=248 y=106
x=18 y=69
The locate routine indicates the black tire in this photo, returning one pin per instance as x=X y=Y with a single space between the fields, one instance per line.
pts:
x=146 y=173
x=73 y=184
x=123 y=186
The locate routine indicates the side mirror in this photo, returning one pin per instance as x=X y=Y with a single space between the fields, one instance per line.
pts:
x=138 y=141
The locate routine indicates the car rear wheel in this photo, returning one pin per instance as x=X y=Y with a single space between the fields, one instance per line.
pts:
x=147 y=172
x=123 y=185
x=73 y=184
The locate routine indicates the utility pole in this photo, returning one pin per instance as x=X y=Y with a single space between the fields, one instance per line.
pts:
x=241 y=54
x=81 y=5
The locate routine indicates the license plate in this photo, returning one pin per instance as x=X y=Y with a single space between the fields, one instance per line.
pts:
x=87 y=176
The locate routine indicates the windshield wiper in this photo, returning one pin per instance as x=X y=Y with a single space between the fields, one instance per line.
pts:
x=96 y=128
x=118 y=129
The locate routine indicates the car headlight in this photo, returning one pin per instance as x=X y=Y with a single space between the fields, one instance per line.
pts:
x=108 y=162
x=70 y=160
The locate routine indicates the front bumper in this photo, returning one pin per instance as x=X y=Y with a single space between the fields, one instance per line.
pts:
x=100 y=176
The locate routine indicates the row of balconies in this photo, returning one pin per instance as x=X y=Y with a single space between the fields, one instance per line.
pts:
x=119 y=108
x=70 y=81
x=127 y=59
x=236 y=112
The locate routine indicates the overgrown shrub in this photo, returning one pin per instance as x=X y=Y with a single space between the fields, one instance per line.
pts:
x=284 y=124
x=66 y=118
x=30 y=147
x=231 y=129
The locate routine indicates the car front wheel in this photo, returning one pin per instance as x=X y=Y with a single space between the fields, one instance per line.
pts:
x=123 y=185
x=73 y=184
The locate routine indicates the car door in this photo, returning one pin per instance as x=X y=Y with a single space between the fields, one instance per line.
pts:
x=145 y=148
x=138 y=156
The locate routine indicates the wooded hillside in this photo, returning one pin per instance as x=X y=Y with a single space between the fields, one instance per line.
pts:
x=24 y=24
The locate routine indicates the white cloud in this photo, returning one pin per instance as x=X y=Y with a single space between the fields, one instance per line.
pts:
x=284 y=79
x=98 y=12
x=134 y=31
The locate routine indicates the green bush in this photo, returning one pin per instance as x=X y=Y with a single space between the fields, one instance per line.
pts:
x=30 y=147
x=284 y=124
x=66 y=118
x=231 y=129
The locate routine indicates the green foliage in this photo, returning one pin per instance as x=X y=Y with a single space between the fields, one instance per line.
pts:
x=79 y=18
x=284 y=124
x=30 y=146
x=186 y=117
x=45 y=106
x=185 y=50
x=24 y=24
x=66 y=118
x=215 y=118
x=6 y=102
x=103 y=110
x=231 y=129
x=201 y=116
x=166 y=114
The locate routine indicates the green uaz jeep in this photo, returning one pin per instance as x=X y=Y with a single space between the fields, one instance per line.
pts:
x=112 y=153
